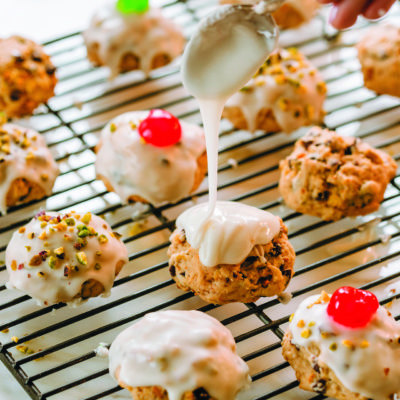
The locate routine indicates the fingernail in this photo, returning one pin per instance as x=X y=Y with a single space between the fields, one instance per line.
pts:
x=381 y=12
x=333 y=14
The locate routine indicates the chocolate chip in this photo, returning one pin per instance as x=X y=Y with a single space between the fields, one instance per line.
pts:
x=36 y=56
x=348 y=151
x=15 y=95
x=316 y=368
x=201 y=394
x=17 y=56
x=264 y=281
x=323 y=195
x=50 y=70
x=182 y=273
x=276 y=250
x=319 y=386
x=172 y=270
x=165 y=162
x=287 y=273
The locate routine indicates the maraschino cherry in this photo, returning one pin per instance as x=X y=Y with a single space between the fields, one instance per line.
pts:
x=160 y=128
x=351 y=307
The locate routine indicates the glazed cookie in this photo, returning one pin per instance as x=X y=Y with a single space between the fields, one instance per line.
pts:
x=178 y=355
x=27 y=167
x=330 y=176
x=27 y=76
x=151 y=157
x=378 y=52
x=345 y=346
x=285 y=94
x=291 y=14
x=64 y=258
x=125 y=42
x=243 y=255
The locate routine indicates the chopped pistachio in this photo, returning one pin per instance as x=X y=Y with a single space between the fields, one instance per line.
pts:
x=40 y=274
x=52 y=261
x=28 y=248
x=15 y=339
x=5 y=330
x=62 y=226
x=102 y=239
x=22 y=229
x=44 y=177
x=43 y=224
x=31 y=235
x=35 y=260
x=70 y=221
x=43 y=236
x=24 y=349
x=284 y=104
x=364 y=344
x=113 y=127
x=81 y=257
x=99 y=253
x=325 y=335
x=133 y=125
x=306 y=333
x=97 y=266
x=29 y=156
x=348 y=343
x=14 y=265
x=333 y=347
x=86 y=218
x=321 y=88
x=301 y=324
x=59 y=252
x=291 y=317
x=311 y=324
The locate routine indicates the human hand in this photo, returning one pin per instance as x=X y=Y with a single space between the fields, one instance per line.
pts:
x=345 y=12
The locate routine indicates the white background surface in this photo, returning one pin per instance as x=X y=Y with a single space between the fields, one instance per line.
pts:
x=40 y=20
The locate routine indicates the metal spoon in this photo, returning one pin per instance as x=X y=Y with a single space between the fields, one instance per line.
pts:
x=228 y=47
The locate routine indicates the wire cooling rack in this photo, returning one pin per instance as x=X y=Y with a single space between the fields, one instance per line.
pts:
x=57 y=358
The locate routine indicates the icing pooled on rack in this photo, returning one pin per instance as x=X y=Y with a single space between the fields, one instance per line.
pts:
x=365 y=359
x=287 y=85
x=135 y=168
x=113 y=35
x=64 y=258
x=180 y=351
x=230 y=233
x=24 y=160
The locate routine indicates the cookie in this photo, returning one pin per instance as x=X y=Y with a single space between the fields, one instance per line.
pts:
x=285 y=94
x=126 y=42
x=27 y=167
x=64 y=258
x=330 y=176
x=258 y=260
x=27 y=76
x=378 y=52
x=343 y=361
x=151 y=171
x=178 y=355
x=291 y=14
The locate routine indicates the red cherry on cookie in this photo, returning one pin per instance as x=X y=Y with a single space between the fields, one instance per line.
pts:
x=351 y=307
x=160 y=129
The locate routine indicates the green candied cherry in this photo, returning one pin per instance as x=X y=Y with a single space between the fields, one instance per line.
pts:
x=351 y=307
x=132 y=6
x=160 y=129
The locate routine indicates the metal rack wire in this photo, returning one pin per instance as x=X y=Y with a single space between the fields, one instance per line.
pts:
x=63 y=364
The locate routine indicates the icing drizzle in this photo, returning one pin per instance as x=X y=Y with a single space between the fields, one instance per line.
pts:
x=230 y=233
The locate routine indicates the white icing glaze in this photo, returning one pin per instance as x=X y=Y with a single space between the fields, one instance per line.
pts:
x=24 y=154
x=146 y=35
x=359 y=367
x=291 y=77
x=157 y=174
x=61 y=281
x=230 y=233
x=180 y=351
